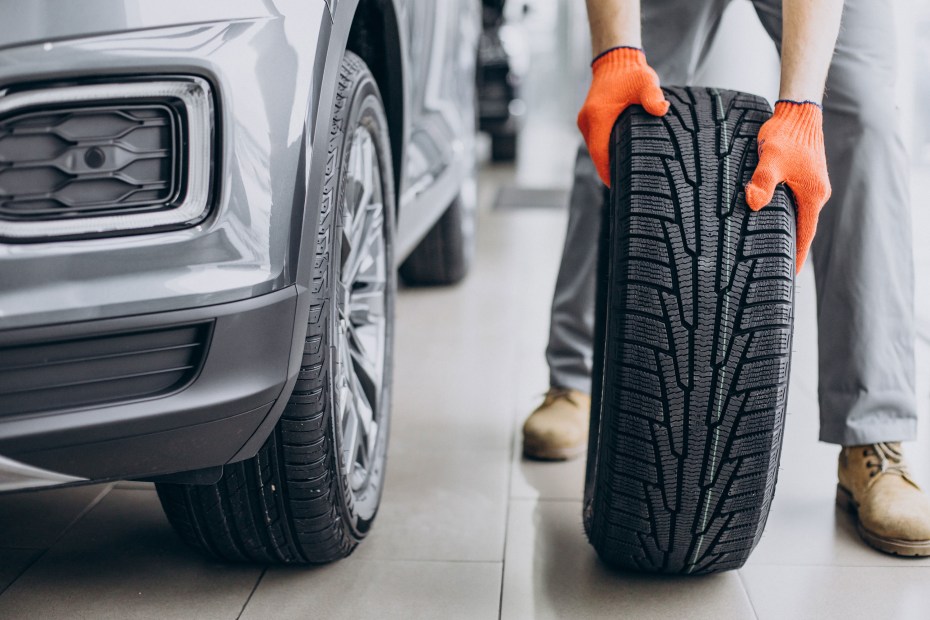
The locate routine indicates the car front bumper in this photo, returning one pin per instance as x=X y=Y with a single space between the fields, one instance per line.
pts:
x=236 y=271
x=209 y=423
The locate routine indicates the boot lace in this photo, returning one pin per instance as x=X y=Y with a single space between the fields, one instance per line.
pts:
x=886 y=458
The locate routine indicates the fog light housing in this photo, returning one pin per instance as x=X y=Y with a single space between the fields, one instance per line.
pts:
x=102 y=159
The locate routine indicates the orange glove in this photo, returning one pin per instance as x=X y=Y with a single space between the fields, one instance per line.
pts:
x=791 y=151
x=621 y=79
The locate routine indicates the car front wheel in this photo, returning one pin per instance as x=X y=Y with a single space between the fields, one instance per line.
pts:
x=312 y=492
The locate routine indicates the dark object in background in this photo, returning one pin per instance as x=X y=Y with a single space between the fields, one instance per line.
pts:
x=445 y=254
x=695 y=316
x=498 y=85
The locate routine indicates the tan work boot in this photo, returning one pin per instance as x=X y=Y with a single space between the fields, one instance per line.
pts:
x=892 y=513
x=558 y=429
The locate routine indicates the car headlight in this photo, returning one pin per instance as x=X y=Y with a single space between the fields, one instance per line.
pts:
x=108 y=158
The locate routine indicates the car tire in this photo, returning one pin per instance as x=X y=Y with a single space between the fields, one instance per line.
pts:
x=504 y=147
x=445 y=254
x=312 y=492
x=694 y=324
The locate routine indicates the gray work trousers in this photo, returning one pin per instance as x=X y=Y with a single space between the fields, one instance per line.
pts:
x=862 y=253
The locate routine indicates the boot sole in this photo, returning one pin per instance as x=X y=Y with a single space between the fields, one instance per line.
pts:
x=538 y=453
x=893 y=546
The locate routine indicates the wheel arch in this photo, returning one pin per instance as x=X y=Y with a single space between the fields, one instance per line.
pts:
x=376 y=36
x=341 y=30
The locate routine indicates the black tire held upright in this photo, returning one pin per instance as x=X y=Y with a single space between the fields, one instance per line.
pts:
x=311 y=493
x=694 y=328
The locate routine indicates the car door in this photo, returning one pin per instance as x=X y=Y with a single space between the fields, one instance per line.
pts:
x=439 y=158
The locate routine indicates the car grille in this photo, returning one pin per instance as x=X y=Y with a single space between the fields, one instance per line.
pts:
x=98 y=159
x=96 y=370
x=78 y=162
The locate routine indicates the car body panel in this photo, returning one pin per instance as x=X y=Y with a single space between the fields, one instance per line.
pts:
x=15 y=476
x=242 y=249
x=42 y=21
x=242 y=377
x=440 y=152
x=273 y=65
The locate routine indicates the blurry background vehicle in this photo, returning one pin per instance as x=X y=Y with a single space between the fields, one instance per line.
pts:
x=201 y=210
x=503 y=60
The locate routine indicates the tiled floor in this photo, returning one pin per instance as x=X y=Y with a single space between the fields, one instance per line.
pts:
x=467 y=528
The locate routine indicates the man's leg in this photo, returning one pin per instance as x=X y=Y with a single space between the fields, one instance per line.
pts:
x=863 y=259
x=676 y=36
x=862 y=255
x=571 y=327
x=557 y=429
x=863 y=266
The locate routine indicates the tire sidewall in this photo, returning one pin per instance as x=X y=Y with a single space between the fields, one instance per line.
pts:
x=365 y=108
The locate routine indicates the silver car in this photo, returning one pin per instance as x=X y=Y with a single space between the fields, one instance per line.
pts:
x=204 y=206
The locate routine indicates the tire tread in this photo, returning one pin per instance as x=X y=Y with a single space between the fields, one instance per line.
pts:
x=698 y=295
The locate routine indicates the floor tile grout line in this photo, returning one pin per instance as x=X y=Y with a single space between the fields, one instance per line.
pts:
x=507 y=499
x=742 y=583
x=252 y=593
x=554 y=500
x=354 y=559
x=515 y=413
x=514 y=437
x=422 y=561
x=83 y=513
x=754 y=565
x=29 y=564
x=41 y=552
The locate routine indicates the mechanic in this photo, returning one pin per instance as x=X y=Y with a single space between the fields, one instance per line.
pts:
x=862 y=256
